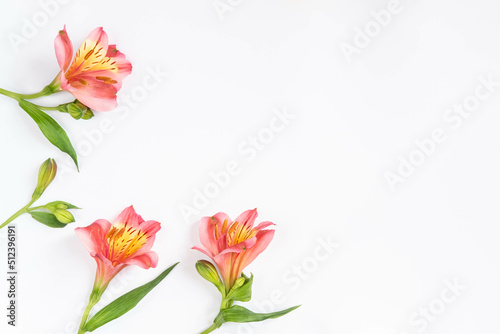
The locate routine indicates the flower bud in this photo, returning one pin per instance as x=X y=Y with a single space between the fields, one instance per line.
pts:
x=46 y=175
x=60 y=206
x=88 y=114
x=76 y=109
x=238 y=283
x=64 y=216
x=207 y=270
x=57 y=211
x=242 y=289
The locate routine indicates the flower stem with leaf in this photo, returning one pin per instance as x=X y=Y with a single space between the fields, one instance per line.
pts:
x=53 y=214
x=49 y=127
x=240 y=291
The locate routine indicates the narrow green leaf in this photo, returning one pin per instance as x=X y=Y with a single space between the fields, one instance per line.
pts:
x=47 y=218
x=240 y=314
x=125 y=303
x=50 y=129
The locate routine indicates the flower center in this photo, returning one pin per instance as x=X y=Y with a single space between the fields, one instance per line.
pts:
x=238 y=233
x=91 y=58
x=124 y=242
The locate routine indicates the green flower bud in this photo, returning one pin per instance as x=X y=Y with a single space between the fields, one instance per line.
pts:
x=76 y=109
x=64 y=216
x=208 y=271
x=61 y=206
x=57 y=214
x=238 y=283
x=46 y=175
x=88 y=114
x=242 y=289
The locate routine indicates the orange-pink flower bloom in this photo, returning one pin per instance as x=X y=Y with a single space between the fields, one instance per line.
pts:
x=95 y=75
x=233 y=245
x=115 y=246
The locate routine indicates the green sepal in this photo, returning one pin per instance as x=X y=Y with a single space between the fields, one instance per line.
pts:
x=125 y=303
x=46 y=218
x=243 y=292
x=50 y=129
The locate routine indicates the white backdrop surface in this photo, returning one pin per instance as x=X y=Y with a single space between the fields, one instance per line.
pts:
x=366 y=130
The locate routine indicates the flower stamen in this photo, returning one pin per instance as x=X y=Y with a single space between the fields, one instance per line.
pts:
x=124 y=242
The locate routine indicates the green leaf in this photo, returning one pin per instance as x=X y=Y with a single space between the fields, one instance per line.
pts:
x=50 y=129
x=240 y=314
x=125 y=303
x=47 y=218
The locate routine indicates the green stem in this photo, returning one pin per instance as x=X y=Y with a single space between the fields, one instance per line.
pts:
x=97 y=291
x=209 y=329
x=10 y=94
x=226 y=303
x=24 y=209
x=93 y=300
x=35 y=208
x=47 y=108
x=47 y=90
x=85 y=317
x=53 y=87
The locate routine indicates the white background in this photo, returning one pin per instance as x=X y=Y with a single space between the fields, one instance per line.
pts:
x=322 y=178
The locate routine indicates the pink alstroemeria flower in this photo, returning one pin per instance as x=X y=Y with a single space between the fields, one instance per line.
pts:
x=96 y=73
x=233 y=245
x=115 y=246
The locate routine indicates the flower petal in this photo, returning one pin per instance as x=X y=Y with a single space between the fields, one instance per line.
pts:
x=91 y=54
x=221 y=217
x=105 y=270
x=150 y=227
x=122 y=66
x=203 y=250
x=145 y=261
x=64 y=49
x=238 y=248
x=129 y=217
x=263 y=225
x=207 y=234
x=225 y=263
x=94 y=94
x=264 y=238
x=247 y=218
x=94 y=235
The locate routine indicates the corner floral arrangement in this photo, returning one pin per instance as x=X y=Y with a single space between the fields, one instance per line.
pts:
x=94 y=75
